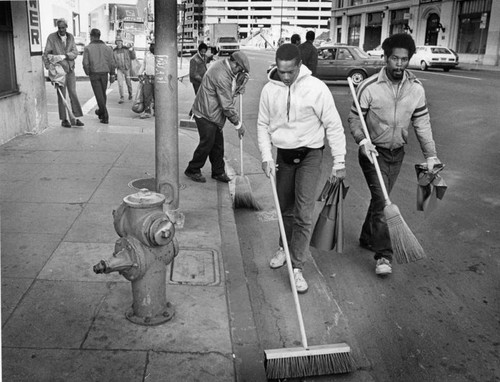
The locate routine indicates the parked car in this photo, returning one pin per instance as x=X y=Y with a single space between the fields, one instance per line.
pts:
x=337 y=62
x=376 y=52
x=432 y=56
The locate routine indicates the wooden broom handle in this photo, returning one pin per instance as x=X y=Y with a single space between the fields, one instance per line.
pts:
x=289 y=263
x=367 y=135
x=241 y=138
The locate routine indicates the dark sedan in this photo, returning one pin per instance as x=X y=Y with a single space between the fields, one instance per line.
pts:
x=337 y=62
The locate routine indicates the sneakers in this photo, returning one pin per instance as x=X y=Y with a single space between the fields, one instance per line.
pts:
x=145 y=115
x=79 y=123
x=383 y=267
x=278 y=260
x=300 y=282
x=65 y=123
x=197 y=177
x=121 y=100
x=222 y=178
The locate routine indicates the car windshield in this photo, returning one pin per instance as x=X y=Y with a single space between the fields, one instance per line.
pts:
x=227 y=39
x=440 y=51
x=361 y=53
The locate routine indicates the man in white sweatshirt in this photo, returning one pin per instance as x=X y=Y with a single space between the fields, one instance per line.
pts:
x=296 y=111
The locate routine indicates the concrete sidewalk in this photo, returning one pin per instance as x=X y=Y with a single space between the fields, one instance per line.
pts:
x=62 y=322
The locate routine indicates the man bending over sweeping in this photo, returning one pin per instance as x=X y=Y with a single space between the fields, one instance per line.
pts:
x=295 y=111
x=390 y=101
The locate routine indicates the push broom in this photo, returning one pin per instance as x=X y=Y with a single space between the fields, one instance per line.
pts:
x=405 y=245
x=243 y=197
x=307 y=360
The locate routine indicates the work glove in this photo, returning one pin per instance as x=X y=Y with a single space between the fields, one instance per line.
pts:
x=431 y=162
x=338 y=171
x=269 y=168
x=367 y=148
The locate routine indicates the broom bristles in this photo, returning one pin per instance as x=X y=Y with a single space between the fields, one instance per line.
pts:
x=405 y=245
x=243 y=197
x=299 y=362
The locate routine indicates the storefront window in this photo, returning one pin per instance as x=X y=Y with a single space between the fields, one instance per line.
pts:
x=474 y=22
x=8 y=81
x=354 y=30
x=398 y=21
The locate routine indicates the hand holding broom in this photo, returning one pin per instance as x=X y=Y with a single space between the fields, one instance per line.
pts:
x=405 y=245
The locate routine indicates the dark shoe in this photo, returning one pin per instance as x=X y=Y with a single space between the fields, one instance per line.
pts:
x=104 y=121
x=197 y=177
x=365 y=245
x=222 y=178
x=98 y=113
x=129 y=97
x=78 y=123
x=121 y=100
x=65 y=123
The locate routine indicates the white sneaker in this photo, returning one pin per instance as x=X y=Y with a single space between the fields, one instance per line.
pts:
x=279 y=259
x=383 y=267
x=300 y=282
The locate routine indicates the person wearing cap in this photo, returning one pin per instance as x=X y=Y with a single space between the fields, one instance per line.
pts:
x=123 y=59
x=98 y=62
x=296 y=112
x=213 y=104
x=60 y=49
x=198 y=66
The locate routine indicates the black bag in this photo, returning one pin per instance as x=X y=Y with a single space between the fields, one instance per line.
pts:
x=293 y=156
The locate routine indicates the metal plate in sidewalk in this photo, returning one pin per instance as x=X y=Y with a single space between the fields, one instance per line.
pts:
x=195 y=266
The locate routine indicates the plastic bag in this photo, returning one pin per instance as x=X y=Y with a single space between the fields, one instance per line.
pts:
x=138 y=105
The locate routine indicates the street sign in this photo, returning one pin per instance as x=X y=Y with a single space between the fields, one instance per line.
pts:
x=484 y=18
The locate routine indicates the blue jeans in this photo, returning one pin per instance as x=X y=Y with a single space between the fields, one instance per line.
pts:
x=211 y=146
x=375 y=231
x=296 y=186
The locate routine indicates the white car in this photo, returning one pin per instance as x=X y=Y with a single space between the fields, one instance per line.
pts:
x=377 y=52
x=432 y=56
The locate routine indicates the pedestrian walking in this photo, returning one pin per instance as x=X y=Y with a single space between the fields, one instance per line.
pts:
x=309 y=53
x=213 y=104
x=98 y=63
x=62 y=44
x=390 y=101
x=296 y=112
x=123 y=57
x=198 y=66
x=147 y=77
x=295 y=39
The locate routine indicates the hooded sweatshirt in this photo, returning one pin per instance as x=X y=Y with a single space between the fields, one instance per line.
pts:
x=299 y=115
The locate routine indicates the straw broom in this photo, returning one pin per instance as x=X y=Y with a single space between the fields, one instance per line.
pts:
x=306 y=360
x=405 y=245
x=243 y=197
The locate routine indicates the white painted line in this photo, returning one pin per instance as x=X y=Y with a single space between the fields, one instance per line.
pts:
x=90 y=104
x=453 y=75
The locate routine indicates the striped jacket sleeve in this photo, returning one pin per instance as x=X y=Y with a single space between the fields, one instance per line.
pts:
x=422 y=124
x=354 y=118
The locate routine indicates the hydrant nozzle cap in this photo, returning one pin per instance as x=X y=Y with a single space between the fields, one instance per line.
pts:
x=144 y=198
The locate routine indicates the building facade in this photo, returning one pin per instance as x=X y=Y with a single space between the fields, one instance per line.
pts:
x=470 y=27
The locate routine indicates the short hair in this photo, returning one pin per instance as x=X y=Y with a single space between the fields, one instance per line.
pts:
x=95 y=33
x=310 y=36
x=202 y=46
x=295 y=38
x=399 y=40
x=288 y=52
x=60 y=21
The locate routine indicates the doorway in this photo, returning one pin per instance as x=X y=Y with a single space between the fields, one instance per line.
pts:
x=432 y=31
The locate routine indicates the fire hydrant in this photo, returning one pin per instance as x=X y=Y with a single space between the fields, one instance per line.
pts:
x=145 y=248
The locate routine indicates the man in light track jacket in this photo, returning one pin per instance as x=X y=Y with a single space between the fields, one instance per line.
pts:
x=296 y=111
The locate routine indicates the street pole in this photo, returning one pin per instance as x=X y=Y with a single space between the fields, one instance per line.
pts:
x=166 y=105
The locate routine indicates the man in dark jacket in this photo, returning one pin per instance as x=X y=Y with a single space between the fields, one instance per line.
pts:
x=98 y=62
x=198 y=67
x=309 y=53
x=214 y=103
x=61 y=50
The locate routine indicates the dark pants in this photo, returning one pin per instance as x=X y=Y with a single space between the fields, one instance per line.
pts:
x=75 y=103
x=148 y=89
x=211 y=146
x=196 y=86
x=375 y=231
x=296 y=187
x=99 y=82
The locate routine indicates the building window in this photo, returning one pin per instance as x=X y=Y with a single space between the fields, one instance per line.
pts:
x=354 y=30
x=8 y=80
x=398 y=22
x=472 y=33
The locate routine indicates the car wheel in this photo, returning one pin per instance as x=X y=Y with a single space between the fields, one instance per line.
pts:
x=357 y=77
x=446 y=69
x=423 y=66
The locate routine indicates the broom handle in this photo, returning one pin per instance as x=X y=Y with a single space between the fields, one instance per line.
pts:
x=367 y=135
x=241 y=138
x=289 y=263
x=70 y=113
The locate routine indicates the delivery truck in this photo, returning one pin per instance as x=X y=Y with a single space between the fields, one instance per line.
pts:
x=223 y=37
